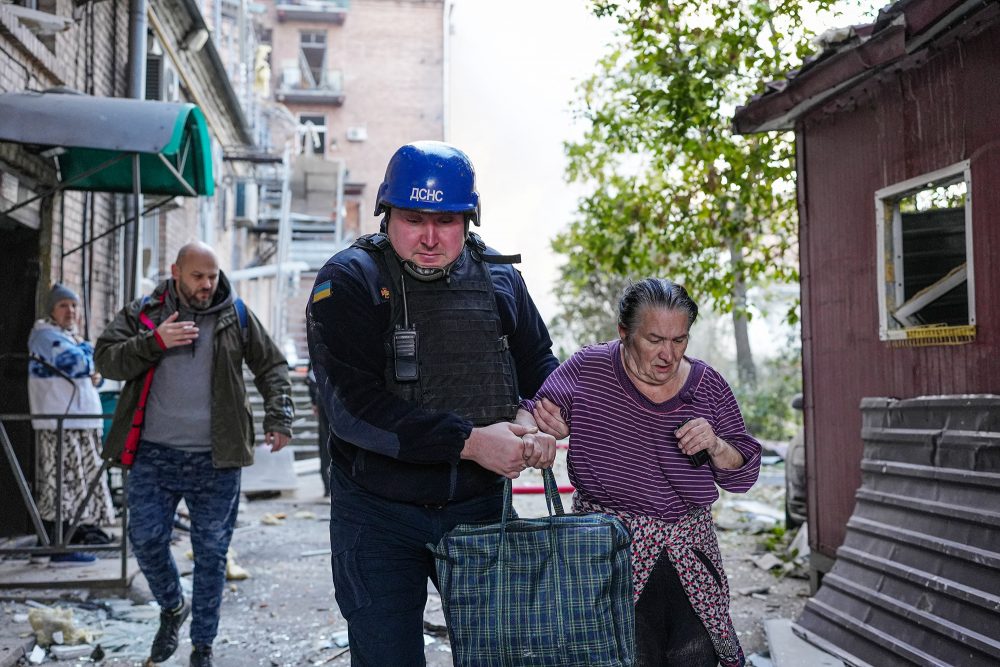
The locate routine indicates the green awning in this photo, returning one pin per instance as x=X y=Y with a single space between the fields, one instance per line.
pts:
x=92 y=137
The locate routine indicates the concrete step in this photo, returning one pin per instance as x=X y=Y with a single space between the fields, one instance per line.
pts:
x=305 y=428
x=789 y=650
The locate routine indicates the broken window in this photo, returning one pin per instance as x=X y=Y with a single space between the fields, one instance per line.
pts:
x=926 y=286
x=312 y=133
x=312 y=58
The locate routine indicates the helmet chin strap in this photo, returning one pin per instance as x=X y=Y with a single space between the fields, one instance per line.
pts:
x=425 y=274
x=422 y=273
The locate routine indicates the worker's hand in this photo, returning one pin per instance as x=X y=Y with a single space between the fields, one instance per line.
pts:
x=174 y=334
x=276 y=440
x=96 y=379
x=549 y=418
x=539 y=450
x=498 y=447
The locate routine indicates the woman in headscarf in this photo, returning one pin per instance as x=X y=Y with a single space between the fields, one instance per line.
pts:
x=62 y=380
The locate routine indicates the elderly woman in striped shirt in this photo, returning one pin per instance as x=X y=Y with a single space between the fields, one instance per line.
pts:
x=653 y=433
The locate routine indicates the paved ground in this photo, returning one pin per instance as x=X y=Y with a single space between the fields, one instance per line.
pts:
x=285 y=613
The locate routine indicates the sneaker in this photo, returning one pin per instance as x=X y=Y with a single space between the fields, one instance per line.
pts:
x=165 y=641
x=71 y=558
x=89 y=534
x=201 y=656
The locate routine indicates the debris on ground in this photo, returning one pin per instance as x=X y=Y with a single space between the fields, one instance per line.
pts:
x=57 y=626
x=767 y=562
x=37 y=655
x=235 y=571
x=285 y=615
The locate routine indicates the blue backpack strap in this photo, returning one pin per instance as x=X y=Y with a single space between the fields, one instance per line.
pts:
x=241 y=313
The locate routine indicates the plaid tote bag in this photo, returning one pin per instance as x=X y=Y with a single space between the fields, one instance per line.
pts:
x=555 y=590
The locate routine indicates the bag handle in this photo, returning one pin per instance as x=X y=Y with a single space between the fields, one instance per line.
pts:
x=555 y=507
x=553 y=501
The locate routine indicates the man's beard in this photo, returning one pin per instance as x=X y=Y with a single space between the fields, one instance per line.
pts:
x=194 y=302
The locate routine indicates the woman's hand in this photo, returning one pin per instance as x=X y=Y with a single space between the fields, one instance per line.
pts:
x=539 y=450
x=697 y=435
x=549 y=418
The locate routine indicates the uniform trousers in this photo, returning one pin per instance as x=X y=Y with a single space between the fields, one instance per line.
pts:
x=159 y=478
x=381 y=566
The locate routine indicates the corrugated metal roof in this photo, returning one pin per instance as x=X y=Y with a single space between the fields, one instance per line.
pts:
x=848 y=57
x=917 y=580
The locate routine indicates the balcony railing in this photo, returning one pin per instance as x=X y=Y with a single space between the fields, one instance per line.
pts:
x=314 y=11
x=297 y=86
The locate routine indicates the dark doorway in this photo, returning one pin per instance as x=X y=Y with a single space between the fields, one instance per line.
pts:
x=19 y=272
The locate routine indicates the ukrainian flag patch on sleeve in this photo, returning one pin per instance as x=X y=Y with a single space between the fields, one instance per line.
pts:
x=321 y=291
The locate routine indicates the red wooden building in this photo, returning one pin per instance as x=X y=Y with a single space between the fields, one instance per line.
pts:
x=897 y=133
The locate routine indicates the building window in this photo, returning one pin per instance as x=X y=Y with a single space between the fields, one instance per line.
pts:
x=312 y=58
x=926 y=279
x=40 y=17
x=151 y=246
x=312 y=134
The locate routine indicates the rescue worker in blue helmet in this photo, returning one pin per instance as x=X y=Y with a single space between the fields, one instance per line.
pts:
x=422 y=339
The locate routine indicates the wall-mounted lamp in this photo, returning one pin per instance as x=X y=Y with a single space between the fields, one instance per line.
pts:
x=194 y=40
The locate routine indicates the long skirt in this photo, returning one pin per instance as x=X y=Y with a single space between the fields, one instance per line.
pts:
x=81 y=463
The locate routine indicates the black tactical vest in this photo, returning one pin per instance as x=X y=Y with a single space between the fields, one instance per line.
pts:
x=463 y=361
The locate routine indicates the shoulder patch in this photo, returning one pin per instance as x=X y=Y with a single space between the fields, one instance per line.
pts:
x=321 y=291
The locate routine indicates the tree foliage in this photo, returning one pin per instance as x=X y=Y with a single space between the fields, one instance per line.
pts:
x=672 y=191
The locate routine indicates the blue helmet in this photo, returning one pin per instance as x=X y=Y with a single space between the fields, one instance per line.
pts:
x=429 y=176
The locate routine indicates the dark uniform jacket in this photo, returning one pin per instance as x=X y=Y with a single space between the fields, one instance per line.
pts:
x=394 y=447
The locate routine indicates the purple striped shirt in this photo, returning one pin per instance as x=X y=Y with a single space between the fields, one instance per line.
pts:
x=623 y=453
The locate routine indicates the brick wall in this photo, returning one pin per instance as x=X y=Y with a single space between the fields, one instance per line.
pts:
x=91 y=57
x=391 y=53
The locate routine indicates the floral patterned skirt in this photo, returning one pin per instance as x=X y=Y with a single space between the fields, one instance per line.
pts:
x=693 y=549
x=81 y=463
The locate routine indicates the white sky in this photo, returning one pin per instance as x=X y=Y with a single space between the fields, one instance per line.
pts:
x=514 y=67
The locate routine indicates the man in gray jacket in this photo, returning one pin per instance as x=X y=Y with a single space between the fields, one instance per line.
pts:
x=183 y=423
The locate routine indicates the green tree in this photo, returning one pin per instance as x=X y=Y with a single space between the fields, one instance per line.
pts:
x=673 y=192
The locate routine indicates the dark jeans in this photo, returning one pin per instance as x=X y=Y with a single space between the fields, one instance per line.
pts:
x=381 y=565
x=160 y=477
x=668 y=632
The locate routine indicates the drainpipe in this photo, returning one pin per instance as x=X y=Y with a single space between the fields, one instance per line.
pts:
x=449 y=7
x=136 y=91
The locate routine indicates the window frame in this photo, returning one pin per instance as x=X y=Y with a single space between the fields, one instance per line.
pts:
x=891 y=241
x=322 y=130
x=317 y=39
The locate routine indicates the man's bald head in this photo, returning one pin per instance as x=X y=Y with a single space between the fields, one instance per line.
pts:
x=196 y=275
x=195 y=249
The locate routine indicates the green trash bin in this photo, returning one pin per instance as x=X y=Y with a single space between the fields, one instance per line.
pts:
x=109 y=401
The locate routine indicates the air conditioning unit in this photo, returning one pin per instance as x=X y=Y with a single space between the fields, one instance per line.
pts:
x=162 y=82
x=246 y=209
x=357 y=133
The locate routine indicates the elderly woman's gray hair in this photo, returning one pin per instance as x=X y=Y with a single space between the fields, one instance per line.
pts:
x=656 y=293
